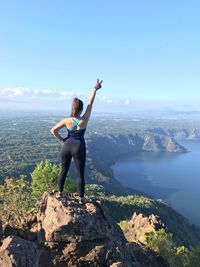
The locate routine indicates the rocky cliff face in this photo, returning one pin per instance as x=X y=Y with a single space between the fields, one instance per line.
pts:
x=139 y=225
x=144 y=141
x=104 y=150
x=62 y=232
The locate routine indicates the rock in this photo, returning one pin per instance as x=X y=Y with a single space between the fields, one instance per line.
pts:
x=16 y=251
x=143 y=257
x=1 y=230
x=67 y=220
x=79 y=235
x=24 y=232
x=116 y=264
x=140 y=225
x=67 y=233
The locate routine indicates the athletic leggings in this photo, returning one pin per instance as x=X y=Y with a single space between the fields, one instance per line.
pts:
x=77 y=150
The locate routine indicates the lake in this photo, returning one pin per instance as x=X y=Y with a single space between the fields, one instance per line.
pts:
x=172 y=177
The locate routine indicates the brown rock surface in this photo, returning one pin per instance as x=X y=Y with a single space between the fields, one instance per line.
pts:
x=140 y=225
x=1 y=231
x=70 y=234
x=143 y=257
x=79 y=234
x=17 y=252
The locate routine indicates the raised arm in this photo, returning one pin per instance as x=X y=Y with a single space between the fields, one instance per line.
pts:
x=88 y=111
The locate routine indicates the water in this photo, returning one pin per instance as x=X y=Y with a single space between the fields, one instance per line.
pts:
x=174 y=178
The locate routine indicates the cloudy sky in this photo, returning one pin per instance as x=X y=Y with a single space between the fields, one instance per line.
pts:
x=147 y=53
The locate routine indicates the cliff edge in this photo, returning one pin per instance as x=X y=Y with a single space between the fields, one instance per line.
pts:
x=63 y=232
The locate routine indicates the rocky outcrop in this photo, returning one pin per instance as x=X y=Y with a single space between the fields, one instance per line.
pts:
x=16 y=251
x=1 y=231
x=67 y=233
x=144 y=141
x=139 y=225
x=82 y=235
x=143 y=256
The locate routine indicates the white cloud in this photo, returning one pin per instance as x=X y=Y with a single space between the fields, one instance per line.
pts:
x=65 y=95
x=14 y=92
x=42 y=91
x=35 y=93
x=58 y=98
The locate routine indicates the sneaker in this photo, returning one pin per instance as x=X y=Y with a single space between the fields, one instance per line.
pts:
x=82 y=200
x=59 y=194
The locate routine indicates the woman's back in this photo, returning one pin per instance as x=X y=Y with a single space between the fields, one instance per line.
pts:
x=76 y=123
x=76 y=129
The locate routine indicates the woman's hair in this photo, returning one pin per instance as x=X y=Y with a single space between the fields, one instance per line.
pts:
x=77 y=106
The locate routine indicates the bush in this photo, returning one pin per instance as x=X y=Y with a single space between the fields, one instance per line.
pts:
x=125 y=225
x=95 y=191
x=17 y=197
x=45 y=178
x=162 y=243
x=15 y=200
x=194 y=257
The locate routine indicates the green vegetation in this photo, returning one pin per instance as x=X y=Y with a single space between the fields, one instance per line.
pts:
x=15 y=200
x=94 y=191
x=125 y=225
x=162 y=243
x=45 y=178
x=123 y=207
x=30 y=141
x=171 y=247
x=18 y=196
x=24 y=146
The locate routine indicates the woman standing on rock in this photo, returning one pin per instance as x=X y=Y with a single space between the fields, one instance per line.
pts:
x=74 y=143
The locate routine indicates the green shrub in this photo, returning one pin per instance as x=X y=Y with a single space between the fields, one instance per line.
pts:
x=45 y=178
x=194 y=257
x=95 y=191
x=162 y=243
x=15 y=200
x=125 y=225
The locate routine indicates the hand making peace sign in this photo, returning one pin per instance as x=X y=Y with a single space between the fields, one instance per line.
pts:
x=98 y=84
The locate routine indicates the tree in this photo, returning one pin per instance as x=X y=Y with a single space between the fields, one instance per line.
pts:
x=15 y=200
x=45 y=178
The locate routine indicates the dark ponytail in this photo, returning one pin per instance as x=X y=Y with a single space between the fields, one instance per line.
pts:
x=77 y=106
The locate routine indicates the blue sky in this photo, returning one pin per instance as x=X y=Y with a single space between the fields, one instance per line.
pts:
x=147 y=53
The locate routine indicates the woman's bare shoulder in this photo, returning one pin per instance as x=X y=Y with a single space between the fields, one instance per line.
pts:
x=68 y=121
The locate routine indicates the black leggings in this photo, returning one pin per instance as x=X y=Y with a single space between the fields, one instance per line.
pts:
x=77 y=150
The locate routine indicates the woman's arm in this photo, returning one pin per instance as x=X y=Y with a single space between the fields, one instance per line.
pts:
x=88 y=111
x=56 y=128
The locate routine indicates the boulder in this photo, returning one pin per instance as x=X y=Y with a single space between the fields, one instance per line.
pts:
x=16 y=251
x=79 y=234
x=1 y=230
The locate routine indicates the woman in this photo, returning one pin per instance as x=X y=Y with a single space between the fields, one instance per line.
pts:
x=74 y=143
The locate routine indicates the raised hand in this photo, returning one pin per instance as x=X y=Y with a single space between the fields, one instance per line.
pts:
x=98 y=84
